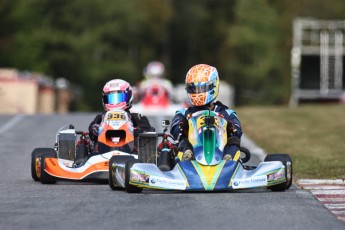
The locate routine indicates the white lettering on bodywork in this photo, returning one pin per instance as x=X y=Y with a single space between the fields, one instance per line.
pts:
x=250 y=182
x=167 y=183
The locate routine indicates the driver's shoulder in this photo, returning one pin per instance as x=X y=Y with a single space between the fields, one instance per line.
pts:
x=223 y=109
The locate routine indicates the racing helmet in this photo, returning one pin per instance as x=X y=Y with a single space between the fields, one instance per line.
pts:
x=202 y=84
x=117 y=94
x=154 y=69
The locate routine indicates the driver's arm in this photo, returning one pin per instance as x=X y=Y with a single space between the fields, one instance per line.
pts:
x=179 y=122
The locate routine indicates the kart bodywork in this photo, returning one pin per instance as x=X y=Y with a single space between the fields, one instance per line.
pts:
x=207 y=171
x=95 y=168
x=75 y=160
x=190 y=175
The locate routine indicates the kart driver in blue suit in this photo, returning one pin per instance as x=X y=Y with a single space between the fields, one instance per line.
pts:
x=202 y=86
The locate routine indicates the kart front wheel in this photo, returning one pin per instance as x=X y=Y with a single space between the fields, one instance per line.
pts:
x=287 y=162
x=36 y=155
x=113 y=162
x=45 y=177
x=128 y=187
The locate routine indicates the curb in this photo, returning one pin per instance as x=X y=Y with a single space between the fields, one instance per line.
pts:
x=331 y=193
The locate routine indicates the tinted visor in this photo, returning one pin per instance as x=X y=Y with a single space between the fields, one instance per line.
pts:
x=200 y=87
x=117 y=97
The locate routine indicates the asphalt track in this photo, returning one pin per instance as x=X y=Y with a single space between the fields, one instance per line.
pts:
x=25 y=204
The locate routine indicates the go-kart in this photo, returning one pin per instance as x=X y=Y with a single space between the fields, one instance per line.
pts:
x=155 y=98
x=207 y=171
x=79 y=160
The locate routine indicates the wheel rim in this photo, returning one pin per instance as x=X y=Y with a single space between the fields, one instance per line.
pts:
x=288 y=172
x=38 y=167
x=113 y=173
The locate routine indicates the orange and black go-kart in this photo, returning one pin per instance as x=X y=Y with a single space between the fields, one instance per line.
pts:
x=73 y=156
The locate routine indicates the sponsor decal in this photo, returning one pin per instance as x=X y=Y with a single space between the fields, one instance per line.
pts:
x=275 y=176
x=167 y=183
x=116 y=116
x=51 y=161
x=153 y=180
x=139 y=177
x=116 y=153
x=115 y=140
x=250 y=182
x=66 y=163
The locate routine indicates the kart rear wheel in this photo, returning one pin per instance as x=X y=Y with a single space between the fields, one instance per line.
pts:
x=36 y=163
x=287 y=162
x=128 y=187
x=45 y=177
x=114 y=160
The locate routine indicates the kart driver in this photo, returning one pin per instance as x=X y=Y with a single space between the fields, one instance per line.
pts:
x=202 y=86
x=154 y=75
x=117 y=94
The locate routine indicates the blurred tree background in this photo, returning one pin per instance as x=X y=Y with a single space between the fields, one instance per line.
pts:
x=90 y=42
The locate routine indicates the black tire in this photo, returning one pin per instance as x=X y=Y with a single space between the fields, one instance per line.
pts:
x=128 y=187
x=287 y=162
x=246 y=153
x=113 y=160
x=35 y=161
x=45 y=177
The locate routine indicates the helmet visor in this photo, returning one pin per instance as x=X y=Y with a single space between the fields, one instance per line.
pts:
x=117 y=97
x=200 y=87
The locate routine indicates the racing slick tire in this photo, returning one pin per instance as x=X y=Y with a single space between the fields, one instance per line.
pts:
x=112 y=170
x=128 y=187
x=287 y=162
x=35 y=161
x=45 y=177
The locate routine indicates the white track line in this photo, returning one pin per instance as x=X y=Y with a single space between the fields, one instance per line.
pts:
x=328 y=192
x=11 y=123
x=331 y=199
x=336 y=206
x=323 y=187
x=317 y=181
x=338 y=212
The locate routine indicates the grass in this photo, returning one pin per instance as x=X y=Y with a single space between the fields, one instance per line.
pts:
x=313 y=135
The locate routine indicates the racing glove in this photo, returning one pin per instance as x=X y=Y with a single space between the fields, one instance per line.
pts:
x=230 y=129
x=232 y=147
x=185 y=150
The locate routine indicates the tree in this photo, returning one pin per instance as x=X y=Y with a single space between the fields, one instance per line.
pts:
x=254 y=65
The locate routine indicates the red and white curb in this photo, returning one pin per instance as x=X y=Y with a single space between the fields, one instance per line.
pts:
x=330 y=193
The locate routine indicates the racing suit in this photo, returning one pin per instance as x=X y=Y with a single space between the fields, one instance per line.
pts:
x=234 y=131
x=140 y=124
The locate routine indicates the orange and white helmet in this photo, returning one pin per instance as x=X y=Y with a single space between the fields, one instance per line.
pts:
x=154 y=69
x=202 y=84
x=117 y=94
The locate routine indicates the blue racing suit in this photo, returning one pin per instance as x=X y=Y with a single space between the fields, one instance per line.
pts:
x=234 y=130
